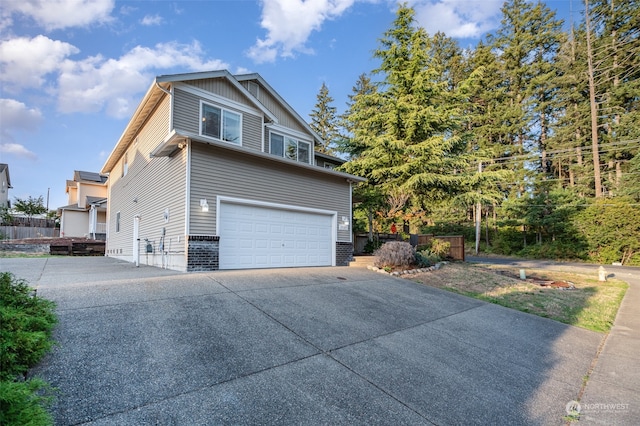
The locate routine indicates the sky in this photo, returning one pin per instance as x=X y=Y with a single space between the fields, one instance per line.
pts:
x=73 y=71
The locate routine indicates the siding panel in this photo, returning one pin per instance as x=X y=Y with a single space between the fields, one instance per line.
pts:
x=150 y=186
x=187 y=118
x=215 y=171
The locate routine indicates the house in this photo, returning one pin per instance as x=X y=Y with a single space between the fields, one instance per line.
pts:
x=5 y=185
x=86 y=213
x=217 y=171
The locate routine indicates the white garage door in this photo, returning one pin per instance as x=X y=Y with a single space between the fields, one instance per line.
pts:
x=264 y=237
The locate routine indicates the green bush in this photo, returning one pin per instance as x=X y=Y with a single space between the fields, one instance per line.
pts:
x=554 y=250
x=440 y=248
x=27 y=322
x=25 y=337
x=23 y=403
x=372 y=245
x=395 y=254
x=426 y=258
x=611 y=229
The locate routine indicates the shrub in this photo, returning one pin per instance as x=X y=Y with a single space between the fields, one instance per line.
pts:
x=26 y=322
x=440 y=248
x=425 y=258
x=372 y=245
x=22 y=403
x=394 y=254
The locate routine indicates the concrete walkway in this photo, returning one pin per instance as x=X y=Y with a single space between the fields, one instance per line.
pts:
x=295 y=346
x=612 y=394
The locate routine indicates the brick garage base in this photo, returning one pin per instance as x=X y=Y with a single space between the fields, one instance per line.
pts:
x=344 y=253
x=203 y=253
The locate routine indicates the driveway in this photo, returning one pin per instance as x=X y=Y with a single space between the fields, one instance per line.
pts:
x=334 y=345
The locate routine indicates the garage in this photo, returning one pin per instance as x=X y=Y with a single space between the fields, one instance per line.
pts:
x=270 y=236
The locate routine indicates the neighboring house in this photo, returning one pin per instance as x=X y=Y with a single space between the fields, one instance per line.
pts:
x=86 y=214
x=216 y=171
x=5 y=185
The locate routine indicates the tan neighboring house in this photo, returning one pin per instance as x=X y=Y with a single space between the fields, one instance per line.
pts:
x=86 y=213
x=5 y=185
x=217 y=171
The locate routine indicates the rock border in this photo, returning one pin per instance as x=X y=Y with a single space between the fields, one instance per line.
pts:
x=408 y=271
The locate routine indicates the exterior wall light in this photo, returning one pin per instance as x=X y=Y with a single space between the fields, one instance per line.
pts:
x=204 y=205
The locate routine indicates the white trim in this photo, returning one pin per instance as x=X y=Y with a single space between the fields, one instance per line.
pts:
x=351 y=212
x=222 y=110
x=284 y=147
x=286 y=131
x=187 y=198
x=172 y=98
x=212 y=97
x=334 y=215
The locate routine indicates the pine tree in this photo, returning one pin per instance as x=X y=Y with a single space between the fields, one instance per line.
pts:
x=571 y=132
x=324 y=121
x=616 y=57
x=410 y=146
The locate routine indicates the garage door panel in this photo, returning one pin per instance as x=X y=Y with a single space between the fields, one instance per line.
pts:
x=260 y=237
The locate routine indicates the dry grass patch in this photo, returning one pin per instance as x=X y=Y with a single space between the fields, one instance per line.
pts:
x=591 y=304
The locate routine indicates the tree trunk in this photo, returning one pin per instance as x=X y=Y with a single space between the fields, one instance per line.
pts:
x=594 y=108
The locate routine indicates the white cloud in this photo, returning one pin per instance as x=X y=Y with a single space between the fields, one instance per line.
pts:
x=58 y=14
x=458 y=18
x=116 y=84
x=150 y=20
x=17 y=150
x=16 y=116
x=24 y=62
x=289 y=23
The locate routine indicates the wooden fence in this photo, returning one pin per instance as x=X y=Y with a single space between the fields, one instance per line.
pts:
x=21 y=232
x=456 y=251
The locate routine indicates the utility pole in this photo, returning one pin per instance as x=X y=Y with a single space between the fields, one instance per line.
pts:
x=594 y=111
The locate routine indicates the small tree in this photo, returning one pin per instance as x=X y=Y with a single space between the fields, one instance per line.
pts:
x=5 y=216
x=30 y=206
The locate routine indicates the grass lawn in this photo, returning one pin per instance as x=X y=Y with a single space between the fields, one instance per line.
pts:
x=591 y=304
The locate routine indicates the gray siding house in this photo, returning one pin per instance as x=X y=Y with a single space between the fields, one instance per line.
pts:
x=217 y=171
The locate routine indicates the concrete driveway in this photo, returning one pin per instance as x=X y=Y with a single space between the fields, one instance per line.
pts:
x=294 y=346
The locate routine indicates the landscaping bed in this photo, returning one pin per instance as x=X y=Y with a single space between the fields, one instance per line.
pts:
x=585 y=303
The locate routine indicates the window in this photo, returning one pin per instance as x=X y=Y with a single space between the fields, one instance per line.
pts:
x=221 y=124
x=118 y=222
x=125 y=166
x=288 y=147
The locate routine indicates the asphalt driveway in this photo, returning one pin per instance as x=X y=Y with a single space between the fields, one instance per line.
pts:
x=294 y=346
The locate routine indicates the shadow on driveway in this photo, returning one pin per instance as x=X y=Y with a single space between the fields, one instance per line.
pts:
x=294 y=346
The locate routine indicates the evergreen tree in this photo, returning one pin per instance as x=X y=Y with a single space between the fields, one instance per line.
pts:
x=571 y=132
x=324 y=121
x=412 y=147
x=616 y=51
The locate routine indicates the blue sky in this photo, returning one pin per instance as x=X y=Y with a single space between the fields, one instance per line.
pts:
x=73 y=71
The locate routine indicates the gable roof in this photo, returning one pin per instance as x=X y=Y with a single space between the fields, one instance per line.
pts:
x=5 y=168
x=299 y=119
x=160 y=87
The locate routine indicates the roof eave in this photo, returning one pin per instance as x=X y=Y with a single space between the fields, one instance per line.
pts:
x=148 y=103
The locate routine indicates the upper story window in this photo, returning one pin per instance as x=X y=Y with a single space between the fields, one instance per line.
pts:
x=288 y=147
x=221 y=124
x=125 y=165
